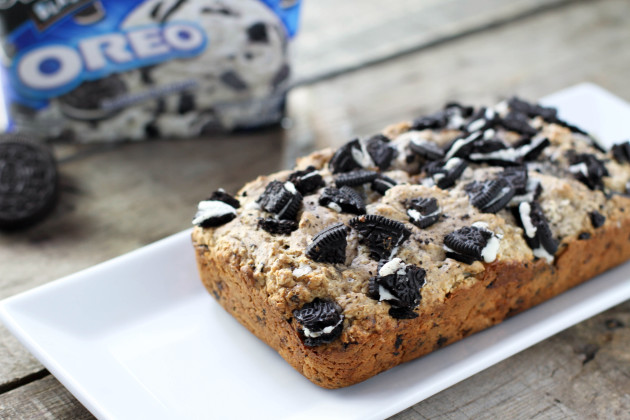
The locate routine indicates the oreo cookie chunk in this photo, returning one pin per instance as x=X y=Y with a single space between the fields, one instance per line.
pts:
x=342 y=200
x=381 y=152
x=213 y=213
x=426 y=149
x=307 y=181
x=383 y=236
x=29 y=184
x=434 y=121
x=382 y=183
x=589 y=170
x=621 y=152
x=398 y=284
x=482 y=120
x=348 y=157
x=221 y=195
x=424 y=212
x=532 y=110
x=536 y=227
x=277 y=227
x=319 y=322
x=472 y=243
x=490 y=196
x=445 y=174
x=94 y=99
x=518 y=122
x=329 y=245
x=355 y=178
x=527 y=150
x=281 y=199
x=462 y=146
x=597 y=219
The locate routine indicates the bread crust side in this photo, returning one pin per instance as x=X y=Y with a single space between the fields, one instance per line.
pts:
x=502 y=290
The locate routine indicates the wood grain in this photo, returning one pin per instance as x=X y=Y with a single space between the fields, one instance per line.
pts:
x=337 y=37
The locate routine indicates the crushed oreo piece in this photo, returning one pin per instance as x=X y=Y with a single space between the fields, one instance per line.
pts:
x=490 y=196
x=532 y=110
x=213 y=213
x=382 y=183
x=381 y=152
x=462 y=146
x=584 y=236
x=281 y=199
x=426 y=149
x=430 y=122
x=518 y=122
x=277 y=227
x=329 y=245
x=307 y=181
x=424 y=212
x=383 y=236
x=518 y=177
x=355 y=178
x=319 y=322
x=482 y=120
x=343 y=200
x=344 y=158
x=221 y=195
x=399 y=285
x=527 y=150
x=538 y=235
x=472 y=243
x=233 y=80
x=621 y=152
x=445 y=174
x=589 y=170
x=597 y=219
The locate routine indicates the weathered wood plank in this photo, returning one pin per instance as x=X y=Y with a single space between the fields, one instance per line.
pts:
x=340 y=36
x=531 y=58
x=42 y=399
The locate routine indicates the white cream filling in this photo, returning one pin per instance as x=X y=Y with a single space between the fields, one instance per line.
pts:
x=326 y=330
x=524 y=210
x=504 y=191
x=489 y=252
x=541 y=252
x=502 y=108
x=290 y=187
x=579 y=168
x=462 y=142
x=211 y=208
x=384 y=294
x=476 y=125
x=302 y=271
x=396 y=265
x=334 y=206
x=416 y=215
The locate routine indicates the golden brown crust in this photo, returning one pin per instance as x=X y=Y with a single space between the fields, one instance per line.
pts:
x=501 y=290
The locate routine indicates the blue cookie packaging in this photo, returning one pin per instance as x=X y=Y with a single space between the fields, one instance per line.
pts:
x=108 y=70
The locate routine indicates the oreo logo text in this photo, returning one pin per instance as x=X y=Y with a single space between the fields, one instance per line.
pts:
x=54 y=69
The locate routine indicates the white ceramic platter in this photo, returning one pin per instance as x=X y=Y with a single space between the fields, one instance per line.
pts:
x=139 y=337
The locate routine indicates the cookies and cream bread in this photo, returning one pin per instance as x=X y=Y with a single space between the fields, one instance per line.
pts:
x=392 y=246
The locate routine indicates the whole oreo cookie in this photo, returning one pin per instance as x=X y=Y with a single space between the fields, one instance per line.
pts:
x=29 y=184
x=319 y=322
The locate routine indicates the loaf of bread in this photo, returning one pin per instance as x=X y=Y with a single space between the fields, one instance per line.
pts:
x=398 y=244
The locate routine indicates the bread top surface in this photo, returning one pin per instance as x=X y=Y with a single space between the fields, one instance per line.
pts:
x=279 y=265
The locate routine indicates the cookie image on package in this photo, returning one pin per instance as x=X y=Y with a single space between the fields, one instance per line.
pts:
x=239 y=78
x=89 y=101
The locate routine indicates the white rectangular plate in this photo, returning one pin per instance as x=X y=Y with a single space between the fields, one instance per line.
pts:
x=139 y=337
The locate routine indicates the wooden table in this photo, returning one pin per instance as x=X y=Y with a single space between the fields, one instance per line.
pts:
x=359 y=66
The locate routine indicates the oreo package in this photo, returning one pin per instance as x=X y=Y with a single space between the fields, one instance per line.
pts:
x=105 y=70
